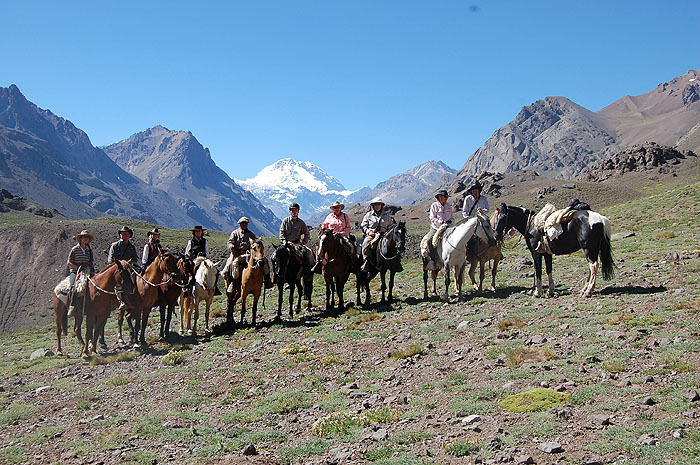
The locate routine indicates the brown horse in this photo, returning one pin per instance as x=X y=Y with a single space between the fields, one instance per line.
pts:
x=336 y=261
x=252 y=278
x=100 y=299
x=171 y=293
x=59 y=300
x=139 y=304
x=483 y=256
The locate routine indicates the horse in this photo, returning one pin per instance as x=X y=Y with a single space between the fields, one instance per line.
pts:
x=336 y=261
x=252 y=278
x=391 y=246
x=492 y=252
x=171 y=293
x=138 y=306
x=288 y=269
x=452 y=250
x=59 y=299
x=100 y=299
x=204 y=287
x=586 y=230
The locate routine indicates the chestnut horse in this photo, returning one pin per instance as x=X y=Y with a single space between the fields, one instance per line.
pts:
x=252 y=278
x=138 y=305
x=100 y=300
x=336 y=262
x=60 y=303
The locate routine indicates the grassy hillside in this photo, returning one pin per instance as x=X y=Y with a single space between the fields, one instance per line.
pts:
x=607 y=377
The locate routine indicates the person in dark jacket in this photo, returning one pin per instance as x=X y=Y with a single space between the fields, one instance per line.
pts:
x=123 y=249
x=152 y=248
x=197 y=246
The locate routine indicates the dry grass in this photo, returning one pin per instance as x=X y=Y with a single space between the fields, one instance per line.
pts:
x=360 y=321
x=520 y=356
x=688 y=305
x=619 y=319
x=107 y=359
x=509 y=324
x=410 y=351
x=294 y=349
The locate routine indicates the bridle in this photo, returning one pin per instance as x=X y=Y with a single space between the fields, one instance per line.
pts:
x=388 y=237
x=170 y=277
x=105 y=291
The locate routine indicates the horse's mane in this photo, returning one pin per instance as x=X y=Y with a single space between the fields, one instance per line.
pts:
x=199 y=260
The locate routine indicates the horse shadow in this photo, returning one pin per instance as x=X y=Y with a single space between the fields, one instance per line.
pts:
x=632 y=289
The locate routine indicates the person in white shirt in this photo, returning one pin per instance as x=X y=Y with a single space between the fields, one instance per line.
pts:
x=474 y=201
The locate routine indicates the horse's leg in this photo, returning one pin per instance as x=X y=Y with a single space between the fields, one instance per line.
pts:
x=383 y=276
x=590 y=283
x=537 y=260
x=482 y=274
x=280 y=298
x=494 y=270
x=88 y=335
x=207 y=303
x=328 y=294
x=244 y=297
x=77 y=329
x=425 y=279
x=447 y=282
x=197 y=300
x=459 y=279
x=162 y=309
x=391 y=285
x=550 y=276
x=472 y=271
x=256 y=296
x=58 y=310
x=120 y=319
x=308 y=290
x=339 y=285
x=169 y=317
x=433 y=275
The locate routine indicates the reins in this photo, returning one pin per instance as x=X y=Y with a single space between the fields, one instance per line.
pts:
x=170 y=278
x=100 y=289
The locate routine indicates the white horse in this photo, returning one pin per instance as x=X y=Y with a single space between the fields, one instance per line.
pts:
x=452 y=249
x=204 y=285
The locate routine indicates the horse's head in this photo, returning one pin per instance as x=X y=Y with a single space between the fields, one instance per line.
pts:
x=168 y=263
x=124 y=279
x=279 y=260
x=186 y=267
x=501 y=221
x=483 y=228
x=400 y=236
x=206 y=273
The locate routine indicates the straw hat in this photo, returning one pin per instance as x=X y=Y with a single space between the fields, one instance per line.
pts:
x=337 y=204
x=84 y=233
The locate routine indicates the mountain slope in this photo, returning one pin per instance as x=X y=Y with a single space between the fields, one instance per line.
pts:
x=50 y=161
x=553 y=135
x=668 y=115
x=288 y=180
x=410 y=186
x=177 y=163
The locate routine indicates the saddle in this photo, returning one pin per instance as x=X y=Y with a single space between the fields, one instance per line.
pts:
x=549 y=221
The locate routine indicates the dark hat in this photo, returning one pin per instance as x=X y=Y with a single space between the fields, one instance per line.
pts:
x=294 y=205
x=198 y=228
x=153 y=231
x=442 y=192
x=476 y=185
x=126 y=229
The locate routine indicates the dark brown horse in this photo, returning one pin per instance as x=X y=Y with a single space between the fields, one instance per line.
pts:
x=170 y=293
x=387 y=258
x=336 y=262
x=138 y=305
x=100 y=300
x=287 y=268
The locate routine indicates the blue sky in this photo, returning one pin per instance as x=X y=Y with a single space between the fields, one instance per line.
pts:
x=364 y=89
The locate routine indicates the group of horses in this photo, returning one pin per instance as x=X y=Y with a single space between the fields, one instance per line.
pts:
x=172 y=279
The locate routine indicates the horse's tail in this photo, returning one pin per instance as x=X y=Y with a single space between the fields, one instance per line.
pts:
x=606 y=254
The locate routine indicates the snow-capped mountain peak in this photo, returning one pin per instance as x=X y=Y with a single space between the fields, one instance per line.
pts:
x=288 y=180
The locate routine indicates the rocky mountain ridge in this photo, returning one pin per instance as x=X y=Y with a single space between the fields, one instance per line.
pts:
x=177 y=163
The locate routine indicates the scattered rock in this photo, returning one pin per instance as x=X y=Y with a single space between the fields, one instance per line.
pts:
x=648 y=401
x=647 y=440
x=524 y=460
x=622 y=235
x=41 y=353
x=463 y=326
x=678 y=434
x=601 y=419
x=690 y=394
x=42 y=389
x=471 y=419
x=249 y=450
x=379 y=435
x=550 y=447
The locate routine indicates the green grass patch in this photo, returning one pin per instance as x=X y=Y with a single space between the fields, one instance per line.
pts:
x=410 y=351
x=284 y=401
x=462 y=448
x=15 y=412
x=289 y=455
x=412 y=436
x=534 y=400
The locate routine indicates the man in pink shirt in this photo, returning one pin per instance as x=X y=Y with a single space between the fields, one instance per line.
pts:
x=441 y=213
x=339 y=223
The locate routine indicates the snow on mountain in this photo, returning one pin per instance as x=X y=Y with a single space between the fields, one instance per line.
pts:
x=288 y=180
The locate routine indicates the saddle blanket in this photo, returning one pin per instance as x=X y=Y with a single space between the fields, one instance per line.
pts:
x=549 y=220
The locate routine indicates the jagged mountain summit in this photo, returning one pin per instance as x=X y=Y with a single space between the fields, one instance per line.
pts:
x=411 y=186
x=288 y=180
x=177 y=163
x=554 y=136
x=559 y=138
x=48 y=160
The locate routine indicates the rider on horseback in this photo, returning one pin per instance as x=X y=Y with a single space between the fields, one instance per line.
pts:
x=374 y=224
x=239 y=245
x=80 y=255
x=123 y=249
x=339 y=223
x=295 y=234
x=472 y=203
x=151 y=248
x=441 y=215
x=199 y=247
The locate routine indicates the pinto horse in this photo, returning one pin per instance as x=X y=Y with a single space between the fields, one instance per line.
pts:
x=587 y=230
x=336 y=261
x=138 y=305
x=203 y=290
x=288 y=269
x=59 y=299
x=391 y=246
x=452 y=250
x=100 y=300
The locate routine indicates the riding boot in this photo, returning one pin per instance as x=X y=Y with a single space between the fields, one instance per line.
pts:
x=268 y=281
x=69 y=303
x=216 y=287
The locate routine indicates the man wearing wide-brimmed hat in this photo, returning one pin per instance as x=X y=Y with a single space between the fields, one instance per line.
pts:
x=295 y=234
x=338 y=222
x=151 y=248
x=197 y=246
x=80 y=255
x=239 y=244
x=375 y=223
x=441 y=215
x=123 y=249
x=474 y=200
